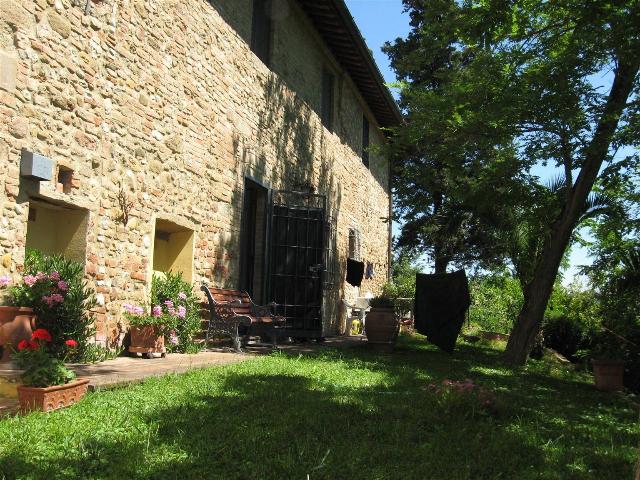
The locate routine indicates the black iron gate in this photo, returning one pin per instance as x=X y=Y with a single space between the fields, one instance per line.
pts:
x=296 y=260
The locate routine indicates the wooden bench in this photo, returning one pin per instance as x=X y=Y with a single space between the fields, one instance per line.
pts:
x=233 y=313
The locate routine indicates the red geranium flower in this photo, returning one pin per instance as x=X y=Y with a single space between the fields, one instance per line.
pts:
x=41 y=334
x=23 y=345
x=71 y=343
x=33 y=345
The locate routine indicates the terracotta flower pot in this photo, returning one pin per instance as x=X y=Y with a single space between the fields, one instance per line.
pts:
x=46 y=399
x=381 y=325
x=609 y=375
x=147 y=340
x=16 y=324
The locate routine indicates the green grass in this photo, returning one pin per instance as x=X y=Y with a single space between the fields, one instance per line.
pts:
x=340 y=414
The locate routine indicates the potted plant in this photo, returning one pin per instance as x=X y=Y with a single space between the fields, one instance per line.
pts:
x=16 y=323
x=147 y=330
x=381 y=325
x=607 y=359
x=47 y=384
x=55 y=288
x=173 y=296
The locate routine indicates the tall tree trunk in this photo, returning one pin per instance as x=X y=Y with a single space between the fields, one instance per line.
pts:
x=538 y=291
x=441 y=263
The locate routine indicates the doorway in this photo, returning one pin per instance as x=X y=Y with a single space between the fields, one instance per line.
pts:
x=253 y=240
x=297 y=260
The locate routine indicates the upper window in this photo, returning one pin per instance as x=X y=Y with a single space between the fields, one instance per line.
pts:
x=327 y=99
x=365 y=141
x=261 y=30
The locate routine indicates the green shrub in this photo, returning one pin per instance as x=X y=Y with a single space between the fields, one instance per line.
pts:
x=496 y=300
x=571 y=321
x=566 y=335
x=381 y=301
x=175 y=297
x=56 y=290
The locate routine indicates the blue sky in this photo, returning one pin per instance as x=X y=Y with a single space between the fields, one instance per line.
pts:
x=383 y=20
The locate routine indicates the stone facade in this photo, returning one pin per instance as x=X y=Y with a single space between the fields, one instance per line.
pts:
x=159 y=109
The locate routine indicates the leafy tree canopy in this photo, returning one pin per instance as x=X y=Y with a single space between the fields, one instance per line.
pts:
x=492 y=88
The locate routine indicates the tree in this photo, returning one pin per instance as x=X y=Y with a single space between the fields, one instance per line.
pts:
x=546 y=60
x=451 y=184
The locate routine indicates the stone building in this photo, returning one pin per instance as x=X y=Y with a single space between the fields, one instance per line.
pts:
x=236 y=141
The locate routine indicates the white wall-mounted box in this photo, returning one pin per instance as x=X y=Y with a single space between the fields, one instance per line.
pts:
x=36 y=166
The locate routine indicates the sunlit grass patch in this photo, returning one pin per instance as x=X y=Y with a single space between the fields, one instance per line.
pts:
x=343 y=413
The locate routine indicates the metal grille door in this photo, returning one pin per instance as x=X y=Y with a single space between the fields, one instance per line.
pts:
x=296 y=262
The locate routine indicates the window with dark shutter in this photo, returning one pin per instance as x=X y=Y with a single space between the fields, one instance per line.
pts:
x=261 y=30
x=365 y=141
x=327 y=99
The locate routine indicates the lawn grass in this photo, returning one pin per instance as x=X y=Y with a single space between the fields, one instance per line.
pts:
x=338 y=414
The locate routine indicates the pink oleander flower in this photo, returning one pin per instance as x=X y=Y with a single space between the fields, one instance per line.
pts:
x=182 y=312
x=156 y=311
x=5 y=280
x=63 y=286
x=133 y=309
x=168 y=303
x=182 y=296
x=55 y=276
x=29 y=280
x=41 y=276
x=48 y=300
x=57 y=298
x=173 y=338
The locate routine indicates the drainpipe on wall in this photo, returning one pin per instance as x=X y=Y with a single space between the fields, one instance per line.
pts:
x=389 y=254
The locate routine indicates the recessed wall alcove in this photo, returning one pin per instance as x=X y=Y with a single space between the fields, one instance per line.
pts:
x=56 y=229
x=173 y=247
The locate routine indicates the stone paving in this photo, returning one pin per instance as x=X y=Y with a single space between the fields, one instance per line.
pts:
x=126 y=370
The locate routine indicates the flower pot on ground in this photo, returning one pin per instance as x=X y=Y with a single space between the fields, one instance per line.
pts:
x=46 y=399
x=381 y=325
x=147 y=339
x=57 y=291
x=608 y=374
x=47 y=384
x=147 y=330
x=608 y=361
x=16 y=324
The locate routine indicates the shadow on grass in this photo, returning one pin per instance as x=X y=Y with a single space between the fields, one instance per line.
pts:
x=298 y=416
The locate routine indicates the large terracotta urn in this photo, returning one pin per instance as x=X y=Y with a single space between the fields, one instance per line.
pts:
x=16 y=324
x=381 y=325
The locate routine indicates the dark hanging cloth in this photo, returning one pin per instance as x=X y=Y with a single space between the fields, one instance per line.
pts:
x=441 y=303
x=355 y=272
x=370 y=272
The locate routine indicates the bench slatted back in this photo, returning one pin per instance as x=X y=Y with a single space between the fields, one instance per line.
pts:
x=223 y=295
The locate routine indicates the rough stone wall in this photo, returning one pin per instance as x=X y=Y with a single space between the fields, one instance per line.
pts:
x=163 y=102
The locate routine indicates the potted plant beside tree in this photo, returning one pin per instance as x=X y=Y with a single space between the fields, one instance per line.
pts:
x=147 y=330
x=47 y=384
x=607 y=360
x=381 y=324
